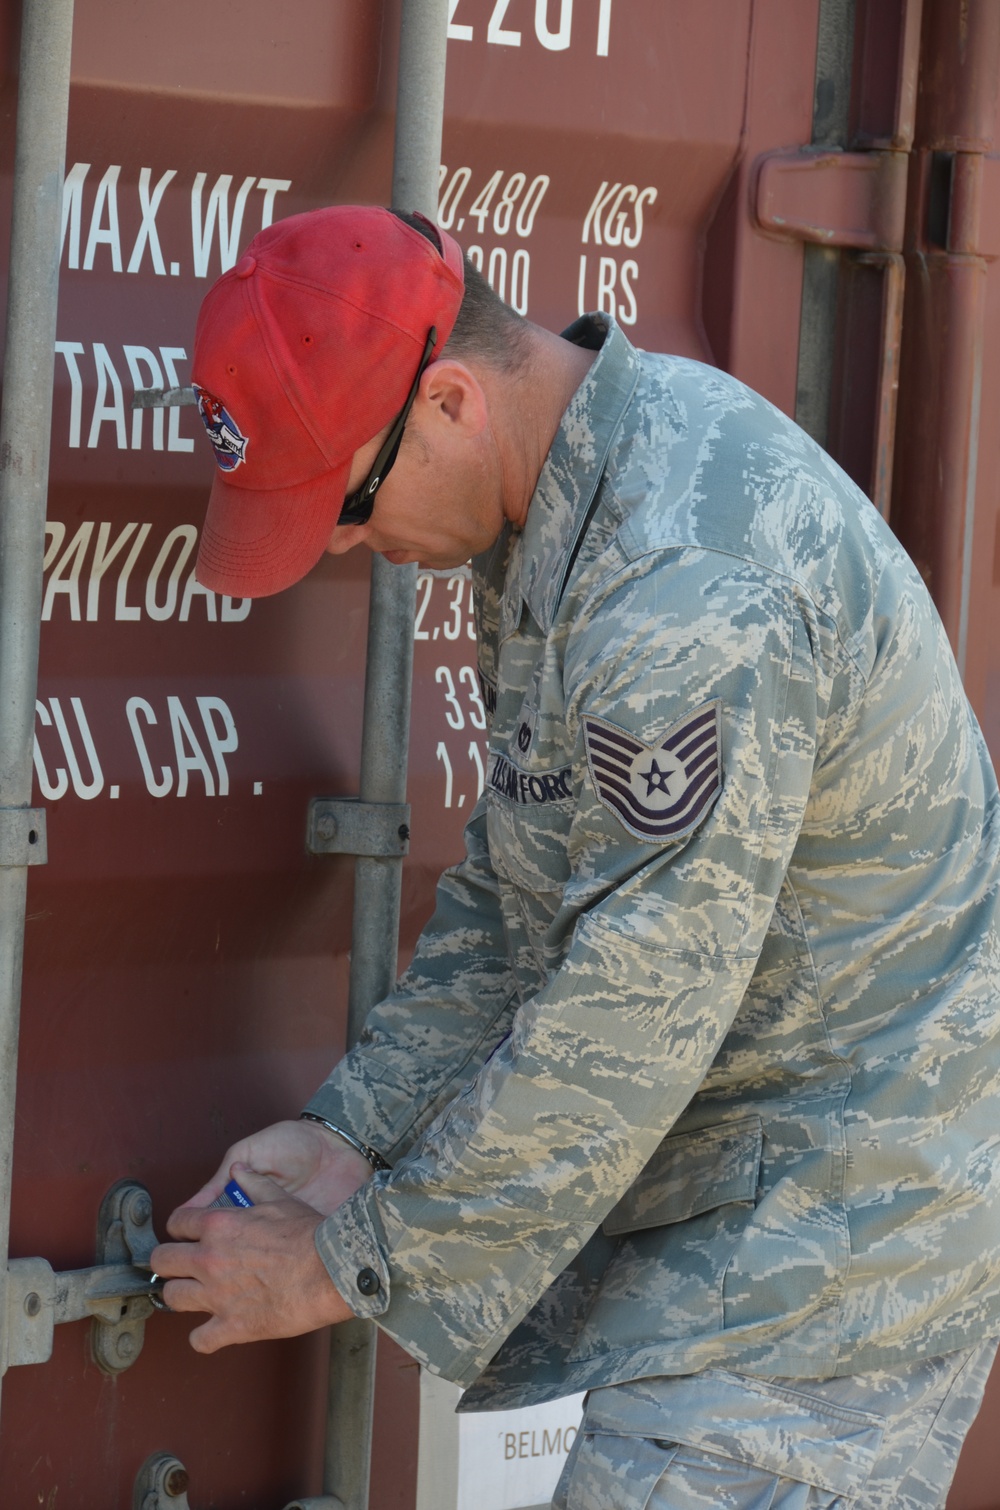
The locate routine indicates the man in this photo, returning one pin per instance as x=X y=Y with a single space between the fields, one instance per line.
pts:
x=690 y=1097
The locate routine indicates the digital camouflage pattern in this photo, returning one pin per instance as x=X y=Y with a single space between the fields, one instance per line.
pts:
x=714 y=1091
x=888 y=1439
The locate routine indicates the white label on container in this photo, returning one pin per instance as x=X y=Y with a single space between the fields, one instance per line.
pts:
x=512 y=1459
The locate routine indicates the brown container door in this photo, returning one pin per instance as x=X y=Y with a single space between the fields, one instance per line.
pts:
x=186 y=958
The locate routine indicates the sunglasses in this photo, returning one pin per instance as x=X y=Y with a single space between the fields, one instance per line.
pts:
x=358 y=506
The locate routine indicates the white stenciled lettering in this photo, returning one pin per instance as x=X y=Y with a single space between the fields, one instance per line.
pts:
x=156 y=786
x=146 y=369
x=148 y=205
x=454 y=713
x=452 y=190
x=633 y=236
x=221 y=741
x=72 y=210
x=217 y=213
x=123 y=609
x=616 y=214
x=614 y=294
x=191 y=758
x=65 y=575
x=186 y=537
x=171 y=355
x=554 y=39
x=101 y=234
x=193 y=588
x=496 y=32
x=616 y=217
x=105 y=555
x=55 y=534
x=85 y=788
x=69 y=351
x=559 y=39
x=457 y=32
x=600 y=202
x=217 y=731
x=87 y=558
x=51 y=790
x=270 y=188
x=138 y=358
x=214 y=223
x=628 y=311
x=105 y=412
x=604 y=28
x=474 y=755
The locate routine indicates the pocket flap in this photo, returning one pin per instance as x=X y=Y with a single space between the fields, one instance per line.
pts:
x=694 y=1172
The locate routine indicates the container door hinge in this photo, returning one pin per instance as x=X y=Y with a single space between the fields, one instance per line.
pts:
x=347 y=826
x=162 y=1484
x=114 y=1293
x=832 y=198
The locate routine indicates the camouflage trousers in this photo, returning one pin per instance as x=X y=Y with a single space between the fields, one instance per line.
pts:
x=885 y=1440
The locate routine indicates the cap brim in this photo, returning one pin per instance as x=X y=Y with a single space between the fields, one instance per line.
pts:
x=256 y=543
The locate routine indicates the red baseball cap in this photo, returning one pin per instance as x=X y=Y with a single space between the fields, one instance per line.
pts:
x=304 y=351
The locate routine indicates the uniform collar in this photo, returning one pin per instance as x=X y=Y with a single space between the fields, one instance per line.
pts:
x=560 y=504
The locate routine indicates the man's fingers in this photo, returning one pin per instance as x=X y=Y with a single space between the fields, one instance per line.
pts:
x=213 y=1335
x=261 y=1188
x=186 y=1222
x=184 y=1295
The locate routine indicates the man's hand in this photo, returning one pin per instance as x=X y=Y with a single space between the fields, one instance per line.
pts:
x=302 y=1157
x=257 y=1272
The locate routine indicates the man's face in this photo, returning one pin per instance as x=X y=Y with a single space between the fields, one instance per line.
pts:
x=443 y=500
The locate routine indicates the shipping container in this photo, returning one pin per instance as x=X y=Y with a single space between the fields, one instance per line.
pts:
x=802 y=192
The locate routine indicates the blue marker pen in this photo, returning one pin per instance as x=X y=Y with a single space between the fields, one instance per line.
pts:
x=233 y=1195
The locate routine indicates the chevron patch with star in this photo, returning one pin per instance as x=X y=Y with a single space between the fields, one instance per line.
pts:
x=659 y=791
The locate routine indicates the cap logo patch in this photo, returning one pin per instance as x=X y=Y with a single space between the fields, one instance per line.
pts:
x=228 y=440
x=663 y=790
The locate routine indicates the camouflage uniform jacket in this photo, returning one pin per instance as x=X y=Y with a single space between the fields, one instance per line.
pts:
x=697 y=1060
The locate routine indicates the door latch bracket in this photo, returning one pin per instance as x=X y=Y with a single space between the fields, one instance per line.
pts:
x=850 y=199
x=348 y=826
x=114 y=1293
x=22 y=837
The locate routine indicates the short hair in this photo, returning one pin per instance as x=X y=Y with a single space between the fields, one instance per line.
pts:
x=486 y=326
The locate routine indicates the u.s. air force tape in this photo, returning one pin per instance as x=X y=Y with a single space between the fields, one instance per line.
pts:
x=658 y=791
x=520 y=786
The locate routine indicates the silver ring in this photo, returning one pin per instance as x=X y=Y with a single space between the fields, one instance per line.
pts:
x=156 y=1296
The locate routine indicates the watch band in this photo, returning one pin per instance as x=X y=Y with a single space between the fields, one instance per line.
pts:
x=374 y=1158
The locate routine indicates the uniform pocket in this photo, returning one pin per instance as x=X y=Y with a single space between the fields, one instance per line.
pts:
x=695 y=1480
x=677 y=1229
x=692 y=1173
x=610 y=1472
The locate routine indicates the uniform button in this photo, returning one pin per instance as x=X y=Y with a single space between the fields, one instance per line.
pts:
x=245 y=266
x=369 y=1282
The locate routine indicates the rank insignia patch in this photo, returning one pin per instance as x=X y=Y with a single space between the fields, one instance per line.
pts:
x=658 y=791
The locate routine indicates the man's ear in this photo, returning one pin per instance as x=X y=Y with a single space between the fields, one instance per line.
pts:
x=453 y=395
x=346 y=536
